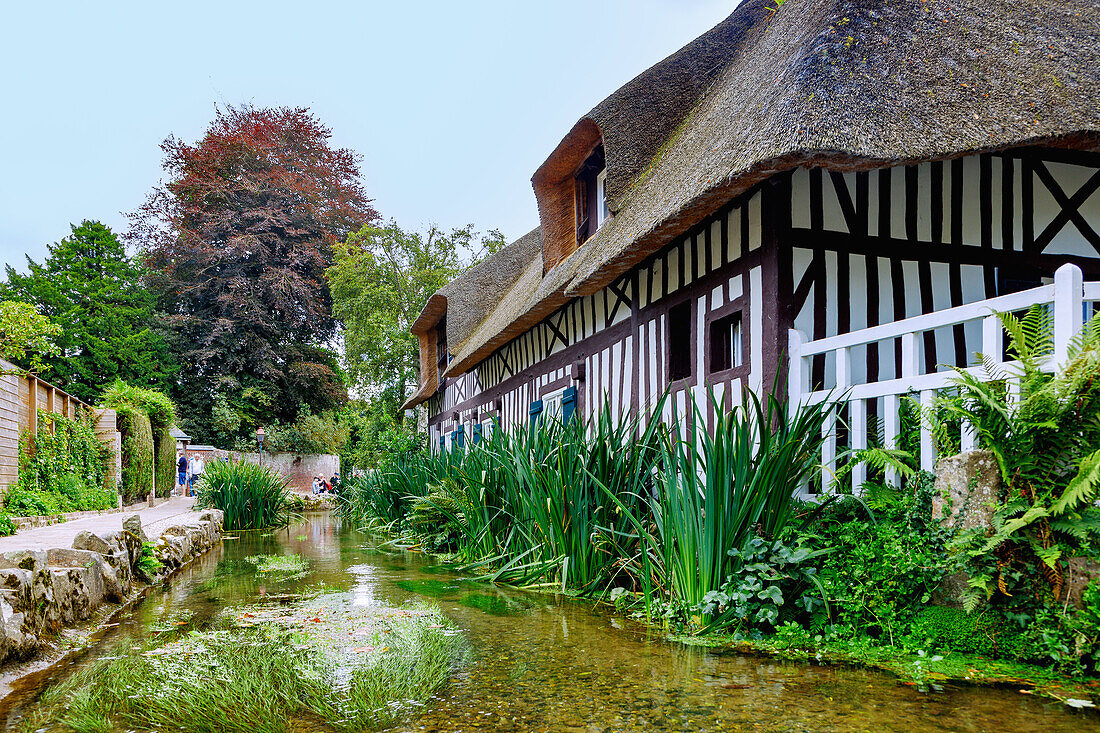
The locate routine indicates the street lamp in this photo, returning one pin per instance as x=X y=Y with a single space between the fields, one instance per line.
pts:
x=260 y=442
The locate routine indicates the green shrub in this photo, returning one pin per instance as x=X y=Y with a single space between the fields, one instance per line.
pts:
x=1044 y=435
x=140 y=413
x=941 y=629
x=165 y=455
x=138 y=454
x=252 y=497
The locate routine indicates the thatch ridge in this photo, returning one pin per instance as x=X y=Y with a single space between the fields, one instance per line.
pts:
x=840 y=84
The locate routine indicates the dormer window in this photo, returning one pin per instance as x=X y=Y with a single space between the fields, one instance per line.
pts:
x=589 y=186
x=442 y=355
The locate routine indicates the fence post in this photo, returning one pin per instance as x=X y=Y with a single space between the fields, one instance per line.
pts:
x=1069 y=310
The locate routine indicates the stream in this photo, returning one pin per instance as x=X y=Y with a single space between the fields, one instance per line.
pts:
x=547 y=663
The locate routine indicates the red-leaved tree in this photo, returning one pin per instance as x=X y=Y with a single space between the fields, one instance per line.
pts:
x=237 y=240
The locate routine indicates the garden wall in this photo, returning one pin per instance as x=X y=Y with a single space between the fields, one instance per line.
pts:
x=297 y=467
x=21 y=397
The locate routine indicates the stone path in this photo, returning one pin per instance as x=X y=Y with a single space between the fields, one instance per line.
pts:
x=153 y=521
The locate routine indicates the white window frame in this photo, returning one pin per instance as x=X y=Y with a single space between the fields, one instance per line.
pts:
x=602 y=212
x=553 y=404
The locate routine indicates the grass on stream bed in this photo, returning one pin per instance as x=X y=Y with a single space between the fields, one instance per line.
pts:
x=266 y=672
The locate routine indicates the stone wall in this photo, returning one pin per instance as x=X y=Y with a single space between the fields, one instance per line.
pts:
x=297 y=467
x=42 y=591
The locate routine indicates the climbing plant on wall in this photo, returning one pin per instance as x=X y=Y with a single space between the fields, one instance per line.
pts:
x=61 y=469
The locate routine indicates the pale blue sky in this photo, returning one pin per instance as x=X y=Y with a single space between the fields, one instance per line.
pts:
x=452 y=105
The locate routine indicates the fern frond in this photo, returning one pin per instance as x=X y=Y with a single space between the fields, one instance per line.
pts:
x=1049 y=555
x=1082 y=488
x=1013 y=526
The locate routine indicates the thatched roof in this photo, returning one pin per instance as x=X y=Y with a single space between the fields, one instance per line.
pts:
x=841 y=84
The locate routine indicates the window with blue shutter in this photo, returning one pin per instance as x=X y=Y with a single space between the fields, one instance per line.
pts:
x=568 y=403
x=442 y=443
x=459 y=438
x=477 y=433
x=535 y=411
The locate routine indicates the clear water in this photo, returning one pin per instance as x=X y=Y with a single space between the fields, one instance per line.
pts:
x=553 y=664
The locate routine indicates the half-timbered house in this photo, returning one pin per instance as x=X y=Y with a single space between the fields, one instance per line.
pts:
x=826 y=166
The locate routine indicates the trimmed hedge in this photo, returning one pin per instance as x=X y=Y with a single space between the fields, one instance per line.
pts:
x=148 y=464
x=164 y=448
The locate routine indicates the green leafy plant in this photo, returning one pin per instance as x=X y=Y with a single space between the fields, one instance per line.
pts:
x=147 y=560
x=61 y=469
x=1043 y=430
x=714 y=492
x=774 y=582
x=251 y=496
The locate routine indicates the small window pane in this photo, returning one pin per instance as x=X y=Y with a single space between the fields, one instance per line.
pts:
x=679 y=341
x=726 y=349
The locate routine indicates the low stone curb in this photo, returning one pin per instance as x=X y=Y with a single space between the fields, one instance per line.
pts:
x=42 y=591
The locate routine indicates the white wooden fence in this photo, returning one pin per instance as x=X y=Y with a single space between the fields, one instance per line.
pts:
x=1071 y=299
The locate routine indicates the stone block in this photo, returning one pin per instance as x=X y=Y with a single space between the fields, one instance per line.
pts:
x=86 y=540
x=32 y=560
x=132 y=524
x=1080 y=571
x=967 y=490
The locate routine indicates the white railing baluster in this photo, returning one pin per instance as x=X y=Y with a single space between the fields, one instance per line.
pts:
x=796 y=379
x=1069 y=310
x=927 y=447
x=993 y=339
x=890 y=426
x=843 y=381
x=969 y=437
x=857 y=436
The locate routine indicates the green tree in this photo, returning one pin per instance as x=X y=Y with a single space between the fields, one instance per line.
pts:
x=89 y=287
x=382 y=278
x=26 y=336
x=237 y=241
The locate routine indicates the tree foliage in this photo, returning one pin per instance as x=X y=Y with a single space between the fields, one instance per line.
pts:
x=26 y=336
x=382 y=279
x=94 y=292
x=238 y=240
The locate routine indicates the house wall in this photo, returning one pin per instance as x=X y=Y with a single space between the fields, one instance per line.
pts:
x=879 y=246
x=616 y=338
x=823 y=252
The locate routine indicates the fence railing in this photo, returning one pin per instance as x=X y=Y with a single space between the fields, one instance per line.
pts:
x=1071 y=299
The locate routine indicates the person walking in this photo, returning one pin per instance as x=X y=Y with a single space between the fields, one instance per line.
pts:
x=181 y=469
x=199 y=467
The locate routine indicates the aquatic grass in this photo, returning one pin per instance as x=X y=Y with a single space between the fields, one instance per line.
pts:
x=288 y=564
x=251 y=496
x=264 y=680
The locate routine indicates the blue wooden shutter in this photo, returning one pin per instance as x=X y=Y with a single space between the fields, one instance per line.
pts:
x=568 y=403
x=477 y=433
x=459 y=437
x=535 y=411
x=442 y=443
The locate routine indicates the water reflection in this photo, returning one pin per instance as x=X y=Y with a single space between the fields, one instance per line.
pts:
x=546 y=663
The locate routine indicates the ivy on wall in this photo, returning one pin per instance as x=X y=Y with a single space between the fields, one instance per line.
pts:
x=61 y=469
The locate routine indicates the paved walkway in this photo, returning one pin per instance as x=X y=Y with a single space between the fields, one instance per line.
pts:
x=153 y=521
